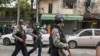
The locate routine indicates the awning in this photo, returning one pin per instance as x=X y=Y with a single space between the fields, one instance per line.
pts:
x=73 y=17
x=47 y=17
x=66 y=17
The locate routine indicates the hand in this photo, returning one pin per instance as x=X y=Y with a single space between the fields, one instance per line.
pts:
x=69 y=55
x=36 y=36
x=21 y=40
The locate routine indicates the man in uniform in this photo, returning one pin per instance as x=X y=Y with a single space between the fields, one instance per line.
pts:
x=37 y=40
x=20 y=36
x=58 y=43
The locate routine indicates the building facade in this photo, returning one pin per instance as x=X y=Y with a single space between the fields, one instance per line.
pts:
x=78 y=13
x=52 y=7
x=91 y=14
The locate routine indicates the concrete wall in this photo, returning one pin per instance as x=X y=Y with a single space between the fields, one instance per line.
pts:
x=80 y=8
x=96 y=8
x=44 y=6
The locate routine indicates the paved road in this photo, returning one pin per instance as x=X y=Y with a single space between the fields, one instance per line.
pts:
x=7 y=51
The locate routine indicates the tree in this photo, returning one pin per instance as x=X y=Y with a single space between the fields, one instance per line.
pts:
x=24 y=5
x=24 y=8
x=6 y=1
x=3 y=4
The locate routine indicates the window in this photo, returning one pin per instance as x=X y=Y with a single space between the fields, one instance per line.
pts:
x=50 y=8
x=87 y=2
x=69 y=4
x=97 y=32
x=86 y=33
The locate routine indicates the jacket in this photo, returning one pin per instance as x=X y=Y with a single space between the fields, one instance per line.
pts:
x=19 y=33
x=59 y=41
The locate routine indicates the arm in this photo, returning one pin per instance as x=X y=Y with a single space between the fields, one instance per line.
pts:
x=33 y=35
x=56 y=39
x=14 y=34
x=16 y=37
x=30 y=32
x=58 y=43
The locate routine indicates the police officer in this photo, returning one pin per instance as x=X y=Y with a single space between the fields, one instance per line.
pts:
x=37 y=40
x=58 y=43
x=20 y=36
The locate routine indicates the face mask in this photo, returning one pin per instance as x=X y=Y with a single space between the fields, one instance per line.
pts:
x=37 y=26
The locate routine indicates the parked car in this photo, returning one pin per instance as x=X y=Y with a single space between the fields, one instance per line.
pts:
x=84 y=37
x=7 y=39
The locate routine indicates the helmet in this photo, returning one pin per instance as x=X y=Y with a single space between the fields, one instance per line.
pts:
x=59 y=18
x=21 y=21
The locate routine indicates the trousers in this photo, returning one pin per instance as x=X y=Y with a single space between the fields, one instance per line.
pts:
x=54 y=52
x=20 y=46
x=38 y=44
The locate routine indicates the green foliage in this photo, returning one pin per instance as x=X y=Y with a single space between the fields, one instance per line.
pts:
x=24 y=5
x=2 y=9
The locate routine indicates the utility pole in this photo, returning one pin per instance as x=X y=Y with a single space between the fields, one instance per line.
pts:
x=32 y=15
x=37 y=12
x=18 y=11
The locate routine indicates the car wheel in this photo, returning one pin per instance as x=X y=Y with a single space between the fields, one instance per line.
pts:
x=72 y=44
x=6 y=41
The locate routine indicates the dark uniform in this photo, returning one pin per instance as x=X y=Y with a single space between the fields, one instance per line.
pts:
x=20 y=36
x=37 y=41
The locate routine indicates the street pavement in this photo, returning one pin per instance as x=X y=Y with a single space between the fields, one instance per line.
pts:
x=7 y=51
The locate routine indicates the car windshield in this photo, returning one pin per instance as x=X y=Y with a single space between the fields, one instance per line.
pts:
x=74 y=33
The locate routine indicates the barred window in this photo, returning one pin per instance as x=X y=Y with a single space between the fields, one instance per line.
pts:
x=87 y=2
x=69 y=4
